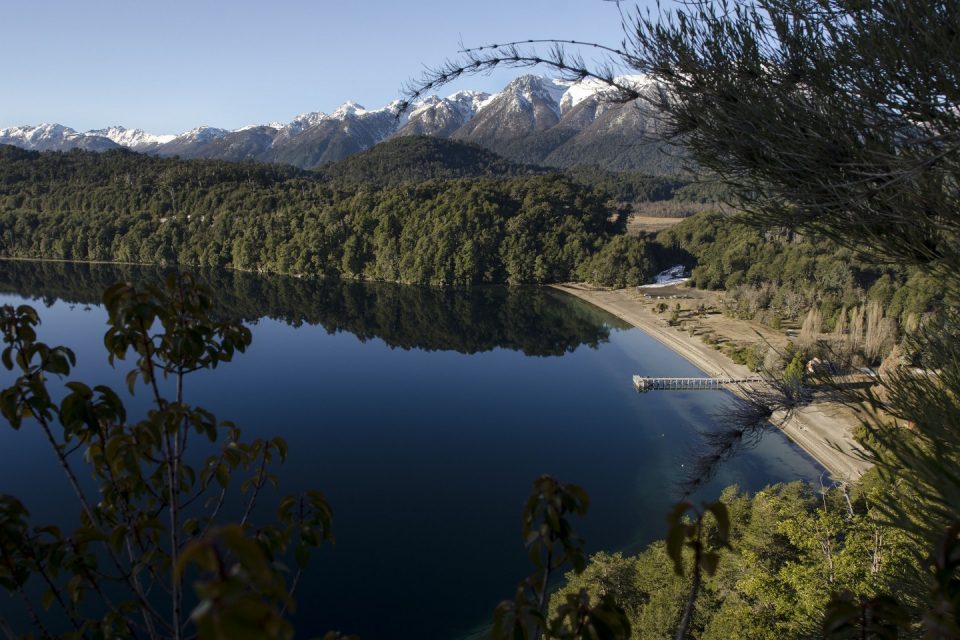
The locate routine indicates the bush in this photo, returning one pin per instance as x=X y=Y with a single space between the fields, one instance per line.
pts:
x=751 y=356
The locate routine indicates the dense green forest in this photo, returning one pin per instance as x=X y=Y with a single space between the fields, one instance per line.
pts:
x=421 y=158
x=124 y=207
x=790 y=549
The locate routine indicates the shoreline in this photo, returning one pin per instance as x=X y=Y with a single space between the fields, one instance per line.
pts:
x=821 y=429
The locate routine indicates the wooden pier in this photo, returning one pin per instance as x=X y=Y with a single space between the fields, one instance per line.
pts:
x=649 y=384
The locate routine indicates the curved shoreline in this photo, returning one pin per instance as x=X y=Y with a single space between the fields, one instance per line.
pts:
x=822 y=429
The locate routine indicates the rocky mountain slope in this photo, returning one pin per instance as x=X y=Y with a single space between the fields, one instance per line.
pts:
x=533 y=120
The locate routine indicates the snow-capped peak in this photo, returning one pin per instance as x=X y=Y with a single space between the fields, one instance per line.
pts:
x=304 y=121
x=202 y=134
x=528 y=103
x=53 y=137
x=530 y=89
x=39 y=136
x=424 y=103
x=469 y=102
x=272 y=125
x=38 y=133
x=577 y=92
x=33 y=135
x=348 y=108
x=433 y=114
x=132 y=138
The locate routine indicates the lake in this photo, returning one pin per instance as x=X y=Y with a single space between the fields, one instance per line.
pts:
x=424 y=415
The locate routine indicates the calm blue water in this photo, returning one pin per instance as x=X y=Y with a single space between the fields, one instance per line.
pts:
x=424 y=416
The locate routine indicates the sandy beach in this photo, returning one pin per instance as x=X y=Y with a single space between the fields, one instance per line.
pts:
x=822 y=429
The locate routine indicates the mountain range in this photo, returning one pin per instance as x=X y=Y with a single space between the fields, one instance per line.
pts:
x=533 y=120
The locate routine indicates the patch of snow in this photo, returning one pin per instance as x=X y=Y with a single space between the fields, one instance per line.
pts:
x=553 y=88
x=391 y=110
x=39 y=133
x=470 y=100
x=577 y=92
x=272 y=125
x=484 y=102
x=462 y=105
x=674 y=275
x=348 y=108
x=202 y=134
x=304 y=121
x=131 y=138
x=46 y=137
x=423 y=106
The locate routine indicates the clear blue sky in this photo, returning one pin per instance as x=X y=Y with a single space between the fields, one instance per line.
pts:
x=172 y=65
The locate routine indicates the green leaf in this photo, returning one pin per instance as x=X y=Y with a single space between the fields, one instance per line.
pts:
x=131 y=380
x=117 y=536
x=302 y=555
x=191 y=526
x=281 y=446
x=222 y=475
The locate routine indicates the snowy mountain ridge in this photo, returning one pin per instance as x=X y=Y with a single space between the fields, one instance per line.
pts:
x=534 y=119
x=564 y=95
x=131 y=138
x=577 y=92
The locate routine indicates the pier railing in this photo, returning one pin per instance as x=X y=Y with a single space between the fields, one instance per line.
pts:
x=642 y=383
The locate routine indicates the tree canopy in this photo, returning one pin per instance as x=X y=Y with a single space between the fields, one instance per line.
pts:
x=125 y=207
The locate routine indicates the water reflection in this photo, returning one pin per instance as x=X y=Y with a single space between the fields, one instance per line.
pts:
x=423 y=415
x=534 y=321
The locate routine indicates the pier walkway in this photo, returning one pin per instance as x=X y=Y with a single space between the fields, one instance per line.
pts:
x=648 y=384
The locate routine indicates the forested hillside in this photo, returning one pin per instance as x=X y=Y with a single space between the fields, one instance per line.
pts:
x=124 y=207
x=420 y=158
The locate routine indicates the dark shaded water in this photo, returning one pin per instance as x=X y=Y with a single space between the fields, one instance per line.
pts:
x=424 y=416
